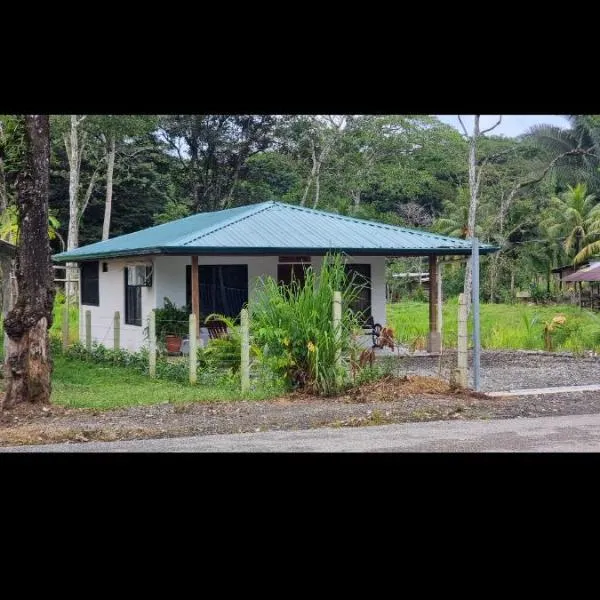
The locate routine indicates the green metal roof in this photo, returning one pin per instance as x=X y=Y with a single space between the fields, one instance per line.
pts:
x=273 y=228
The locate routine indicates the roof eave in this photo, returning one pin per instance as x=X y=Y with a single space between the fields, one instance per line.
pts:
x=264 y=251
x=100 y=255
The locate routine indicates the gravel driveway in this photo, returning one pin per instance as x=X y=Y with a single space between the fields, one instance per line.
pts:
x=503 y=371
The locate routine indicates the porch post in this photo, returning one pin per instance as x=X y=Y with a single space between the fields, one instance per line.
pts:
x=434 y=338
x=195 y=294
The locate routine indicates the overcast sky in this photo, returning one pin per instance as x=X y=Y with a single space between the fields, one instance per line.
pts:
x=511 y=125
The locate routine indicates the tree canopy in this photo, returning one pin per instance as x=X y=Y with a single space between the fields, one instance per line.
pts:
x=134 y=171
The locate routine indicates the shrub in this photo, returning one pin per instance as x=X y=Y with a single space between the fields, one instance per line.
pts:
x=171 y=320
x=224 y=352
x=174 y=370
x=293 y=327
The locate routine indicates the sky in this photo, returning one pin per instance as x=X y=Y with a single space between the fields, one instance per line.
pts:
x=511 y=126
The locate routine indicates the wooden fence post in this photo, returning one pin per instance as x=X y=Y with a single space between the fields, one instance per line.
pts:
x=460 y=374
x=117 y=331
x=152 y=345
x=88 y=330
x=245 y=360
x=193 y=349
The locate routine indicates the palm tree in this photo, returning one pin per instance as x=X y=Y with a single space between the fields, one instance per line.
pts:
x=454 y=223
x=576 y=151
x=575 y=217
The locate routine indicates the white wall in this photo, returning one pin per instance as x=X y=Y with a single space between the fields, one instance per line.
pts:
x=168 y=280
x=112 y=298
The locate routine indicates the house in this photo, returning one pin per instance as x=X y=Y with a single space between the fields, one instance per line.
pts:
x=589 y=297
x=228 y=250
x=563 y=272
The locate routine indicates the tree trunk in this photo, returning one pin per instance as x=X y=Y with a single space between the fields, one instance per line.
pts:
x=74 y=158
x=110 y=156
x=313 y=172
x=3 y=188
x=28 y=365
x=355 y=194
x=317 y=186
x=473 y=188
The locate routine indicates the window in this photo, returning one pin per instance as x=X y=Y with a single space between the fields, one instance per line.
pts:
x=133 y=302
x=293 y=269
x=90 y=289
x=361 y=275
x=223 y=289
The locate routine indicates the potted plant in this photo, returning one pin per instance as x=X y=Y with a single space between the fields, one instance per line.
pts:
x=172 y=323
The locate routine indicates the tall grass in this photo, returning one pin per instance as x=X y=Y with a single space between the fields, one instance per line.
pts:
x=57 y=318
x=293 y=327
x=503 y=326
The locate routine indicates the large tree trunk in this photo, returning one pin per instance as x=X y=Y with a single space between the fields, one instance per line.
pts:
x=110 y=156
x=28 y=365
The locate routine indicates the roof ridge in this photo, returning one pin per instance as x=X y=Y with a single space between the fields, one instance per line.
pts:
x=410 y=230
x=253 y=210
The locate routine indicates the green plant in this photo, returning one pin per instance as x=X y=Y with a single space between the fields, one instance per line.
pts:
x=541 y=295
x=419 y=294
x=224 y=352
x=171 y=320
x=293 y=327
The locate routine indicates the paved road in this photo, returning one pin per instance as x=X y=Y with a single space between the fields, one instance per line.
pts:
x=575 y=433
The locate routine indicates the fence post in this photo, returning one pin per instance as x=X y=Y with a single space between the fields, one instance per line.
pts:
x=65 y=327
x=460 y=375
x=193 y=349
x=337 y=332
x=88 y=330
x=117 y=331
x=245 y=361
x=152 y=345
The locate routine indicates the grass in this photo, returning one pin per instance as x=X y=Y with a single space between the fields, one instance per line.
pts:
x=78 y=384
x=503 y=326
x=57 y=321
